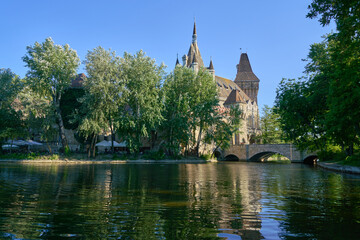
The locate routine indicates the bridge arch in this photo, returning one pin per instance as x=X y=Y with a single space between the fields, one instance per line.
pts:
x=231 y=157
x=261 y=156
x=311 y=159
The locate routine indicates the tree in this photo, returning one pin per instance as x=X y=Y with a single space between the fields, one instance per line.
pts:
x=140 y=112
x=270 y=126
x=204 y=100
x=51 y=68
x=103 y=95
x=301 y=118
x=39 y=115
x=11 y=124
x=176 y=112
x=190 y=108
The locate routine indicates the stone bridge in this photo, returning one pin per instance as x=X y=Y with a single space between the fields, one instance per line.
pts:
x=259 y=152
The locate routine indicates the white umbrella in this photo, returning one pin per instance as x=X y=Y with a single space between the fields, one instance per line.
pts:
x=104 y=143
x=122 y=144
x=31 y=142
x=8 y=146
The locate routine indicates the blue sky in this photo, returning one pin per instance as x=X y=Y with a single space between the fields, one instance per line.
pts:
x=275 y=34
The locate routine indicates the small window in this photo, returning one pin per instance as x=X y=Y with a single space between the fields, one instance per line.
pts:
x=218 y=84
x=230 y=87
x=225 y=86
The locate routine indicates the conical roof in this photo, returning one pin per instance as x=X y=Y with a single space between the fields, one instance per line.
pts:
x=245 y=72
x=211 y=67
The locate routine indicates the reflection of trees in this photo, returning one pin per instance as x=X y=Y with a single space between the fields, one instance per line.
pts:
x=189 y=201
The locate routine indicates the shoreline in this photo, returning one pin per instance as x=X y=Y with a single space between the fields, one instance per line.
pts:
x=140 y=161
x=339 y=168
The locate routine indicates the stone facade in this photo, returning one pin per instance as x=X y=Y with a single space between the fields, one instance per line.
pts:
x=241 y=92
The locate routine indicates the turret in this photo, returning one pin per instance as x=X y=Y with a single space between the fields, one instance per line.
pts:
x=246 y=79
x=195 y=64
x=211 y=69
x=194 y=36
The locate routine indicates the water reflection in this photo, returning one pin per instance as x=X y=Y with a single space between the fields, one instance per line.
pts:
x=169 y=201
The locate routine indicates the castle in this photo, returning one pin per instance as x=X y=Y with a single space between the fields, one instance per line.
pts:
x=241 y=92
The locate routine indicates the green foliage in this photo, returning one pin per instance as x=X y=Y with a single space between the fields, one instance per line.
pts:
x=51 y=68
x=140 y=110
x=206 y=156
x=11 y=124
x=190 y=101
x=156 y=155
x=270 y=126
x=323 y=109
x=102 y=97
x=70 y=105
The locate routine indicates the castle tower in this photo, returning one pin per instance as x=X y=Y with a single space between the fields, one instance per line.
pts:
x=211 y=69
x=194 y=52
x=246 y=79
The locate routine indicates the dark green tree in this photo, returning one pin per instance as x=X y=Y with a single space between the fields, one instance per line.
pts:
x=51 y=68
x=270 y=126
x=140 y=112
x=102 y=97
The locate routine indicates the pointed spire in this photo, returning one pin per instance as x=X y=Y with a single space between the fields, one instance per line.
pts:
x=194 y=31
x=177 y=60
x=211 y=67
x=244 y=64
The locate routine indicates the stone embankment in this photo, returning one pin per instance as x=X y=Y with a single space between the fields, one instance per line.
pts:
x=339 y=168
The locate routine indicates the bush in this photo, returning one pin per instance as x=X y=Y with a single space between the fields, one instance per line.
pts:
x=206 y=156
x=159 y=155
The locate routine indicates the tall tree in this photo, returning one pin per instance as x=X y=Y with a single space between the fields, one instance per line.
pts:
x=190 y=108
x=103 y=95
x=140 y=113
x=11 y=124
x=51 y=68
x=270 y=126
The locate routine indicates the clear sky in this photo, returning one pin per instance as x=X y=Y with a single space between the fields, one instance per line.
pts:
x=275 y=34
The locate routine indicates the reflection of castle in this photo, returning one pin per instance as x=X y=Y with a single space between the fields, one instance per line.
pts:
x=236 y=196
x=241 y=92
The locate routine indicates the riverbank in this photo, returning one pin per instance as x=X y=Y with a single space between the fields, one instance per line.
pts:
x=69 y=161
x=339 y=168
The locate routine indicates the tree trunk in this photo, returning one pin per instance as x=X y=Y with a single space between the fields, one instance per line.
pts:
x=198 y=141
x=64 y=142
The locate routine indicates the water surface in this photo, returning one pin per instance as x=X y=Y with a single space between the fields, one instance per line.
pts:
x=177 y=201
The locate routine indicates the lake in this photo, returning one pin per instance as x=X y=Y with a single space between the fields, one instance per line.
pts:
x=232 y=200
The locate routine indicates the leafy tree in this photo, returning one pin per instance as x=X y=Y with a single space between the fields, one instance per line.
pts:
x=70 y=105
x=11 y=124
x=39 y=116
x=190 y=108
x=204 y=100
x=301 y=118
x=270 y=126
x=177 y=91
x=103 y=95
x=51 y=68
x=140 y=112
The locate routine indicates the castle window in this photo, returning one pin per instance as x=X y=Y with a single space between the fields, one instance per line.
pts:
x=230 y=87
x=225 y=86
x=218 y=84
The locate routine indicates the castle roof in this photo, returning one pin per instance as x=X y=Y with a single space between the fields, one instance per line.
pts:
x=245 y=72
x=211 y=67
x=226 y=86
x=234 y=97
